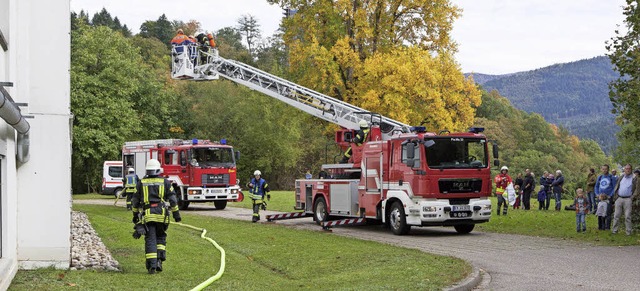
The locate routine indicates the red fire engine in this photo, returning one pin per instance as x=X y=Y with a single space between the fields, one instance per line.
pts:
x=200 y=170
x=401 y=176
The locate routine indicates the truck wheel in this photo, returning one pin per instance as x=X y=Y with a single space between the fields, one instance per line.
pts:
x=464 y=228
x=398 y=220
x=320 y=211
x=119 y=192
x=183 y=205
x=220 y=204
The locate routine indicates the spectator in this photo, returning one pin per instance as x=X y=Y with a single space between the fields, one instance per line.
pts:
x=502 y=180
x=544 y=183
x=614 y=173
x=529 y=184
x=602 y=210
x=542 y=197
x=308 y=175
x=591 y=196
x=519 y=184
x=557 y=189
x=581 y=204
x=625 y=188
x=604 y=185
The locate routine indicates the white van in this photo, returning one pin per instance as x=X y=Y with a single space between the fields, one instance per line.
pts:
x=112 y=178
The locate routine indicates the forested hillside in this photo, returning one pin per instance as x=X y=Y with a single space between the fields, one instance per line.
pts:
x=574 y=95
x=121 y=91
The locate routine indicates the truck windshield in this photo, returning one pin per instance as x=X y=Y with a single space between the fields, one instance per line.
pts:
x=213 y=157
x=456 y=152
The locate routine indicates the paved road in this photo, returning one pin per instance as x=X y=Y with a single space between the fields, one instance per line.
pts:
x=514 y=262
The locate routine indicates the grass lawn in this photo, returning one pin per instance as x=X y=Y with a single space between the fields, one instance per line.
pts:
x=282 y=201
x=91 y=196
x=258 y=257
x=551 y=223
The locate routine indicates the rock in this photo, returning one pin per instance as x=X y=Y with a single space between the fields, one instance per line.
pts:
x=87 y=249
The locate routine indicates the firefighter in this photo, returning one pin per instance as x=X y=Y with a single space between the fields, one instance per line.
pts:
x=130 y=185
x=258 y=187
x=502 y=181
x=180 y=38
x=151 y=214
x=361 y=137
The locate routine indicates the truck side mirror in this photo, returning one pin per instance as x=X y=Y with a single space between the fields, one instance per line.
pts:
x=237 y=155
x=411 y=148
x=495 y=151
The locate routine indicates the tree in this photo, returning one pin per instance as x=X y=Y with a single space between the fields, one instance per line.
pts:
x=624 y=92
x=103 y=18
x=363 y=52
x=250 y=29
x=161 y=29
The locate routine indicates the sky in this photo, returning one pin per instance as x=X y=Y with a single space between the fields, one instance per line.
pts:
x=493 y=36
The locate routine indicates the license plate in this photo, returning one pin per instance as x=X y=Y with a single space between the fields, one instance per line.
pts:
x=461 y=208
x=461 y=214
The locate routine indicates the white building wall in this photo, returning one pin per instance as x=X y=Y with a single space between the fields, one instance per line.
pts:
x=35 y=198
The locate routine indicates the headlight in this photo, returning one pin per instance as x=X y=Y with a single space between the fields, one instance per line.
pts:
x=486 y=207
x=234 y=191
x=429 y=208
x=195 y=192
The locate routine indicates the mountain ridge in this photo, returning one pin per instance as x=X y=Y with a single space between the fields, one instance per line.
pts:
x=574 y=95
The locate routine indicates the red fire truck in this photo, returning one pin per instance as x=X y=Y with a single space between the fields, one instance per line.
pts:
x=200 y=170
x=401 y=176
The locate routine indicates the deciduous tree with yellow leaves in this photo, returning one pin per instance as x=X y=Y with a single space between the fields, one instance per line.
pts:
x=394 y=57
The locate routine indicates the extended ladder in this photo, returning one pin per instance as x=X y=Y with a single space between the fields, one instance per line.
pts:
x=307 y=100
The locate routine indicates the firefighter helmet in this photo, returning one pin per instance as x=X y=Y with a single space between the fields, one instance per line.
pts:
x=363 y=124
x=257 y=173
x=504 y=168
x=130 y=170
x=153 y=167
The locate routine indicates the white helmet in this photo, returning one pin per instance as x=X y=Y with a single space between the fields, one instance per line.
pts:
x=130 y=170
x=504 y=168
x=153 y=167
x=363 y=124
x=257 y=173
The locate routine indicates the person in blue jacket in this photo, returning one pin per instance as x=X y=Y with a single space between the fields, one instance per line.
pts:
x=258 y=188
x=605 y=185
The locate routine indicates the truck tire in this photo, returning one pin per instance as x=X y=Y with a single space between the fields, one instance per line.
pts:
x=220 y=204
x=320 y=210
x=464 y=228
x=119 y=193
x=183 y=205
x=398 y=220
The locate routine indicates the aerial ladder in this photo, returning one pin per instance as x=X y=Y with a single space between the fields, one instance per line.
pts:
x=191 y=63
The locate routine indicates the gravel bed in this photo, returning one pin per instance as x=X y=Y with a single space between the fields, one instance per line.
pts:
x=87 y=249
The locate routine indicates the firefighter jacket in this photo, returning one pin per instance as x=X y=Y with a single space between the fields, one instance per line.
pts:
x=151 y=197
x=130 y=183
x=361 y=136
x=502 y=180
x=260 y=187
x=179 y=39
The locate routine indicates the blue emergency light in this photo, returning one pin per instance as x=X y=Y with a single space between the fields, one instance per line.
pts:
x=223 y=141
x=194 y=141
x=418 y=129
x=476 y=129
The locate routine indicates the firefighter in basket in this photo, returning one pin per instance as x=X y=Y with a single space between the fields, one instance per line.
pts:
x=151 y=214
x=130 y=185
x=361 y=137
x=258 y=187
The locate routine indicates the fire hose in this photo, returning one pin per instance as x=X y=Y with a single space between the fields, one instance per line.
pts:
x=222 y=256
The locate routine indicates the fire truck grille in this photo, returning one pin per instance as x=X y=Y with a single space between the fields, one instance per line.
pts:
x=215 y=179
x=460 y=185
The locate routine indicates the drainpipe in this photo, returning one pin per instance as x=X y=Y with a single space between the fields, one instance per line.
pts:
x=12 y=115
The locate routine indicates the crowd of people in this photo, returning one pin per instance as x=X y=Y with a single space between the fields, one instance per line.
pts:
x=606 y=195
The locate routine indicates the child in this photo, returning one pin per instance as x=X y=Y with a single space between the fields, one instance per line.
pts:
x=582 y=209
x=516 y=205
x=601 y=211
x=542 y=197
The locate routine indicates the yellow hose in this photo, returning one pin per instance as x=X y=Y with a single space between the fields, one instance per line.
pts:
x=222 y=256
